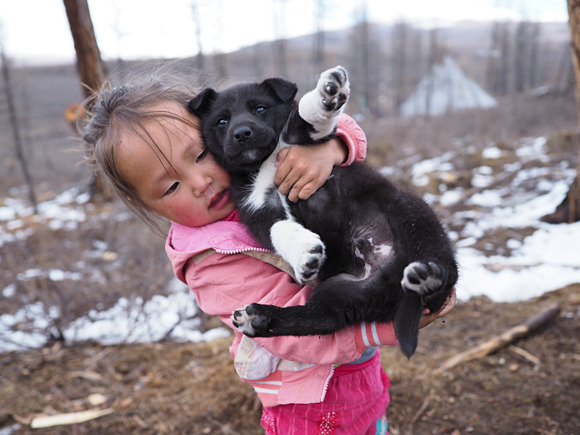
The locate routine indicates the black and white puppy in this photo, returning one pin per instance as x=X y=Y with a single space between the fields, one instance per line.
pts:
x=380 y=253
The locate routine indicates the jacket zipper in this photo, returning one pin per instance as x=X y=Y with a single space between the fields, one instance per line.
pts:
x=239 y=251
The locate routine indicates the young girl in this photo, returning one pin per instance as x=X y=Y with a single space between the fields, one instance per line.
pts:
x=149 y=146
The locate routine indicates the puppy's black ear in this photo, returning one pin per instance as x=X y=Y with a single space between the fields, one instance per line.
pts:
x=202 y=102
x=284 y=89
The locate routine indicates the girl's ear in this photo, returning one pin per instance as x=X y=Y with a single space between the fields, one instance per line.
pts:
x=202 y=102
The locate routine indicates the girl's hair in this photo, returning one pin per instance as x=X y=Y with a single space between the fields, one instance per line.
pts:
x=114 y=111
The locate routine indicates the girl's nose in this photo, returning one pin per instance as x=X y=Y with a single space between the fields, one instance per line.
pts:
x=200 y=182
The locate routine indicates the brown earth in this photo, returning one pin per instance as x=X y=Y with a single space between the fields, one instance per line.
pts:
x=185 y=388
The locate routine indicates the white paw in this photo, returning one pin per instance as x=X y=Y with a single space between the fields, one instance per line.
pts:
x=310 y=255
x=323 y=104
x=334 y=89
x=301 y=248
x=422 y=278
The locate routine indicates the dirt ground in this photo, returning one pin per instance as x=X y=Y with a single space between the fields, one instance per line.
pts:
x=185 y=388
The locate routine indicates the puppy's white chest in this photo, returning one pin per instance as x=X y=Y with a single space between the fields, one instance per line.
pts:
x=263 y=182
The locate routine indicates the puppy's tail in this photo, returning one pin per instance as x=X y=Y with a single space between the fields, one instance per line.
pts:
x=406 y=322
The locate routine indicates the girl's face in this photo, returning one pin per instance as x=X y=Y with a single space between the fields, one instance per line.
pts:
x=173 y=173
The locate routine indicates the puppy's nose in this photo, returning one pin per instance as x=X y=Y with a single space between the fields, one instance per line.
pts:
x=242 y=134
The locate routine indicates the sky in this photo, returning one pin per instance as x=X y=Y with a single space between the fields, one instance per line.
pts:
x=36 y=31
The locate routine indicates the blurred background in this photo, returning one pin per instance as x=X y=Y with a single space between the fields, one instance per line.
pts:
x=472 y=104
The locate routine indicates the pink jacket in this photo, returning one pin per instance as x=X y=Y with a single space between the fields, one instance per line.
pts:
x=227 y=269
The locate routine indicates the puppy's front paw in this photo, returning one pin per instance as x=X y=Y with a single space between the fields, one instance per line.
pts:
x=322 y=105
x=250 y=321
x=422 y=278
x=334 y=88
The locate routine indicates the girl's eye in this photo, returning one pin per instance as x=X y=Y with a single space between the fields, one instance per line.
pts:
x=260 y=109
x=172 y=189
x=201 y=156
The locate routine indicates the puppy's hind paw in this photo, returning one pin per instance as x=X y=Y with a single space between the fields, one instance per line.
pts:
x=422 y=278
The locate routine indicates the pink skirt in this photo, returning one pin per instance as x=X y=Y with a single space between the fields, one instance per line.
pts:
x=355 y=404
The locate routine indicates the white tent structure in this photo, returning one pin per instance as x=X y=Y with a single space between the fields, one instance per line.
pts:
x=444 y=89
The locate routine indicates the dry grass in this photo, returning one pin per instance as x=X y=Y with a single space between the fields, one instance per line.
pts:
x=192 y=388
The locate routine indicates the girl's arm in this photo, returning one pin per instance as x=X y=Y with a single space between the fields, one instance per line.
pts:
x=303 y=169
x=257 y=281
x=225 y=282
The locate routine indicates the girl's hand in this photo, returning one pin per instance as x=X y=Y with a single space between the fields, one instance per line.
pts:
x=303 y=169
x=429 y=318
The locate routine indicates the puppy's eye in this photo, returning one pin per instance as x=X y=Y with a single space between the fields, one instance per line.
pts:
x=222 y=122
x=201 y=156
x=260 y=109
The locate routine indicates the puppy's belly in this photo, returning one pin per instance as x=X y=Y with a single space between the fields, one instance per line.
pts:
x=373 y=244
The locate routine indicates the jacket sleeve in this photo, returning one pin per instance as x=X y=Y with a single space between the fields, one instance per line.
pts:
x=223 y=283
x=354 y=137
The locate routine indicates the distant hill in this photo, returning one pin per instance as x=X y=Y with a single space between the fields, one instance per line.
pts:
x=43 y=93
x=376 y=60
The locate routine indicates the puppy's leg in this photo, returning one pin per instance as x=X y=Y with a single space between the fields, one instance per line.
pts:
x=322 y=105
x=256 y=320
x=335 y=303
x=420 y=280
x=301 y=248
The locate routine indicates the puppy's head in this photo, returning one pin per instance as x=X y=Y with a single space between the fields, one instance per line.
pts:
x=241 y=125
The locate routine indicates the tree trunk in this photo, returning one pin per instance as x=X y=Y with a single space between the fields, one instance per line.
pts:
x=197 y=20
x=18 y=146
x=280 y=43
x=401 y=32
x=90 y=68
x=89 y=63
x=318 y=48
x=569 y=209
